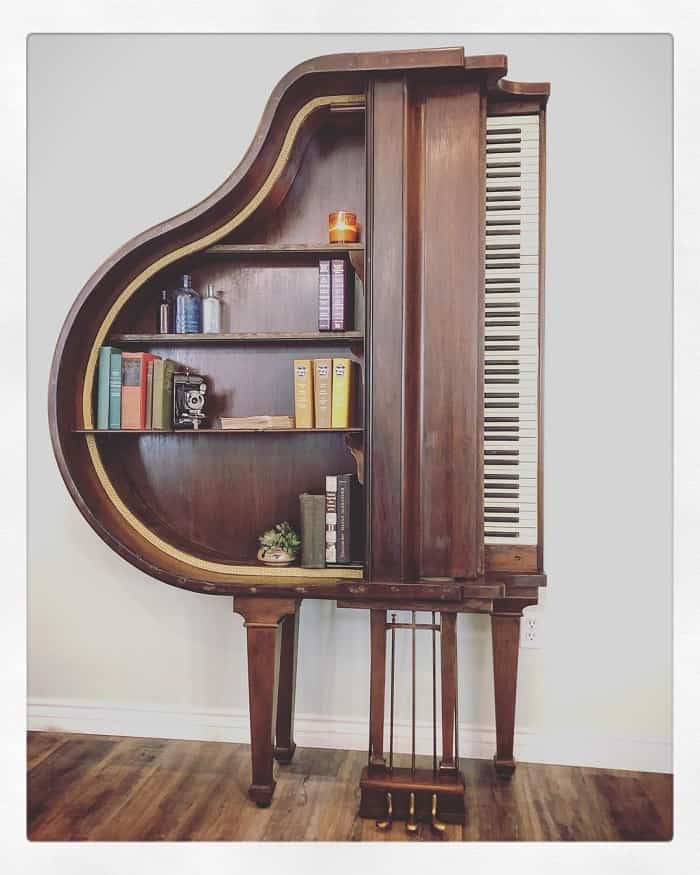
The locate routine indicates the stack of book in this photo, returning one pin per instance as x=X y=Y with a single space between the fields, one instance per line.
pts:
x=331 y=524
x=134 y=390
x=335 y=294
x=323 y=392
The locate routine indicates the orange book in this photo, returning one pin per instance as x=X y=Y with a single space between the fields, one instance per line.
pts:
x=134 y=388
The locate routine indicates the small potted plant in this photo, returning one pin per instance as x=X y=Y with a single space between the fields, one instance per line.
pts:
x=279 y=546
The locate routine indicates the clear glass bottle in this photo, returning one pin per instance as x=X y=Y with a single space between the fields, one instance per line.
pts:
x=188 y=308
x=211 y=312
x=164 y=326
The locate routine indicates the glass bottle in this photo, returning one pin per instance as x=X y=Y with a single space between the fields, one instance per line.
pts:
x=164 y=314
x=188 y=308
x=211 y=312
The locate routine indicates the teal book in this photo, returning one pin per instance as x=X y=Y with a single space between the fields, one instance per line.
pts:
x=103 y=365
x=115 y=388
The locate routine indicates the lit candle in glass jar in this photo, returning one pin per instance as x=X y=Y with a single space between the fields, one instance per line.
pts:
x=342 y=227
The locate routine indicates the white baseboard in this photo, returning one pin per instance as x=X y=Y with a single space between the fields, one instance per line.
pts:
x=345 y=733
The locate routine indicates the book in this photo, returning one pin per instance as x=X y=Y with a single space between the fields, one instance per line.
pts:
x=324 y=295
x=322 y=392
x=342 y=393
x=313 y=530
x=103 y=365
x=343 y=528
x=115 y=388
x=303 y=394
x=149 y=395
x=162 y=417
x=134 y=368
x=258 y=422
x=331 y=518
x=341 y=294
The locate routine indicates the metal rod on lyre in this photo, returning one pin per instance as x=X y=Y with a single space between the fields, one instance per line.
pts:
x=456 y=701
x=434 y=704
x=391 y=696
x=413 y=694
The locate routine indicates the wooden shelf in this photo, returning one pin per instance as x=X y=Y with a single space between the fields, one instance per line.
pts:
x=321 y=337
x=229 y=431
x=283 y=248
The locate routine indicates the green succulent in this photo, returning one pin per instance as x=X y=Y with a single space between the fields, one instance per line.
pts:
x=283 y=535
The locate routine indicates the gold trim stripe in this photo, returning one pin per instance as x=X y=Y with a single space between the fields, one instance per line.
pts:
x=189 y=248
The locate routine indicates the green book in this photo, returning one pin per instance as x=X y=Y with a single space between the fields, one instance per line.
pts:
x=103 y=364
x=163 y=370
x=313 y=530
x=115 y=388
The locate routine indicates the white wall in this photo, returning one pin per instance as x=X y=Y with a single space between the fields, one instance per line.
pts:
x=126 y=131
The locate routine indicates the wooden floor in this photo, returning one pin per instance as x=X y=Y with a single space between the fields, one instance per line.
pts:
x=107 y=788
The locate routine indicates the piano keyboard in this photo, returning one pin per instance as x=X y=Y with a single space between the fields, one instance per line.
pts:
x=511 y=330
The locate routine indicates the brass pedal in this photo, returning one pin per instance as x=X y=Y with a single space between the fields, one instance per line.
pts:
x=436 y=824
x=385 y=825
x=411 y=825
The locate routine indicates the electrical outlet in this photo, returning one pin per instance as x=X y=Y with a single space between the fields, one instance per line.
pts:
x=530 y=631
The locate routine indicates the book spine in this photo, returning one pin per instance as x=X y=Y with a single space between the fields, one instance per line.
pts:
x=303 y=394
x=322 y=392
x=157 y=416
x=324 y=295
x=115 y=389
x=331 y=518
x=342 y=386
x=343 y=514
x=340 y=294
x=134 y=385
x=167 y=394
x=149 y=395
x=103 y=372
x=313 y=531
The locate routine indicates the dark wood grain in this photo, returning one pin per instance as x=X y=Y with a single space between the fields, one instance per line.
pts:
x=505 y=632
x=451 y=446
x=386 y=120
x=106 y=788
x=286 y=688
x=282 y=249
x=377 y=688
x=448 y=688
x=249 y=337
x=262 y=618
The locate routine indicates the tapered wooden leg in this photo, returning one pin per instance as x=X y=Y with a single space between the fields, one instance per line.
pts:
x=377 y=688
x=448 y=675
x=286 y=686
x=262 y=619
x=505 y=633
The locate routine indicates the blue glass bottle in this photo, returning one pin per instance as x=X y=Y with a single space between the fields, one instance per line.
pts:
x=188 y=308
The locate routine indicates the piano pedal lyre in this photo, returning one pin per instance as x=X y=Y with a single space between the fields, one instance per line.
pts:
x=385 y=825
x=436 y=824
x=411 y=824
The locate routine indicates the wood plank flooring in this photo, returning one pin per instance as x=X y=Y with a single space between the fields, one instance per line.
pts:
x=108 y=788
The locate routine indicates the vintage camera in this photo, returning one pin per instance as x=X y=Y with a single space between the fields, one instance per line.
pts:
x=189 y=393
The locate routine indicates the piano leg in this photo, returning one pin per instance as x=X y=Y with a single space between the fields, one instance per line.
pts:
x=377 y=689
x=262 y=618
x=448 y=671
x=284 y=734
x=505 y=632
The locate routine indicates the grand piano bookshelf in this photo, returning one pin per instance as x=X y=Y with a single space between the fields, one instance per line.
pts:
x=399 y=138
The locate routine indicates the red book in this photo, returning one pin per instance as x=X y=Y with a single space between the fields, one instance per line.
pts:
x=134 y=385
